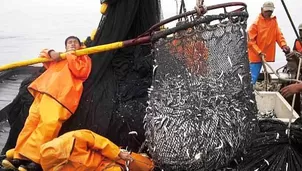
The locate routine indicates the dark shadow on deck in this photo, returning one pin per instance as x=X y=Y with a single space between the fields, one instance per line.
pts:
x=9 y=87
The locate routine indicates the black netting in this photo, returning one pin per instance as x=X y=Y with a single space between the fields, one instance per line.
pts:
x=272 y=148
x=201 y=111
x=115 y=94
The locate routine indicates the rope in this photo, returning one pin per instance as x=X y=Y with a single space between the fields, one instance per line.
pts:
x=294 y=99
x=283 y=79
x=183 y=8
x=280 y=69
x=265 y=77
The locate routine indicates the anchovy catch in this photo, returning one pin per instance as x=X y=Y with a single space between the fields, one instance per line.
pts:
x=202 y=109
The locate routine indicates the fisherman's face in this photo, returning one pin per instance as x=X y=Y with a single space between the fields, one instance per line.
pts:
x=266 y=14
x=72 y=44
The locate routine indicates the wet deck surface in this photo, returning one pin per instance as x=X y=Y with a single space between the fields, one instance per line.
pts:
x=9 y=88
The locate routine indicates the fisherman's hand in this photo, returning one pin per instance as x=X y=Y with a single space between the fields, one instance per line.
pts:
x=54 y=55
x=291 y=90
x=286 y=49
x=262 y=55
x=125 y=155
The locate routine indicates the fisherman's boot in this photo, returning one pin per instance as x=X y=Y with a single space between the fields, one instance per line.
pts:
x=13 y=164
x=30 y=167
x=10 y=153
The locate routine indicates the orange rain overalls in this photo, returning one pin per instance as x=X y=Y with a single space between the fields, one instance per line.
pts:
x=57 y=93
x=262 y=37
x=84 y=150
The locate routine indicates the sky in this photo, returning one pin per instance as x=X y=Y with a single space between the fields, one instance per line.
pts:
x=31 y=25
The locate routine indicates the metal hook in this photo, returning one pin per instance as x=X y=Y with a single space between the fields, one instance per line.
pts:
x=200 y=8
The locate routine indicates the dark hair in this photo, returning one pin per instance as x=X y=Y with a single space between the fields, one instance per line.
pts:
x=72 y=37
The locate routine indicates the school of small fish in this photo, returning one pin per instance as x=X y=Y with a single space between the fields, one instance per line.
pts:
x=201 y=121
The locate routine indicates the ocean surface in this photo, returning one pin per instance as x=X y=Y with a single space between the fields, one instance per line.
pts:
x=29 y=26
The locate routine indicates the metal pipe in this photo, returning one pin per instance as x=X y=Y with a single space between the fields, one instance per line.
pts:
x=208 y=8
x=293 y=102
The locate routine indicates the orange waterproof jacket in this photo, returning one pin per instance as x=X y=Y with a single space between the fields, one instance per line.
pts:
x=63 y=80
x=262 y=37
x=77 y=150
x=85 y=150
x=298 y=46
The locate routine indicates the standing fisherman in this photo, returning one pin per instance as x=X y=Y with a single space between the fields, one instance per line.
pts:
x=262 y=37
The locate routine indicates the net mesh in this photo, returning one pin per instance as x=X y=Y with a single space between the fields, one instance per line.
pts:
x=273 y=149
x=201 y=111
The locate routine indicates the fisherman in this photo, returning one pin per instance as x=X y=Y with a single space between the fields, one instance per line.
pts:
x=68 y=151
x=56 y=96
x=298 y=42
x=289 y=90
x=17 y=111
x=115 y=94
x=262 y=35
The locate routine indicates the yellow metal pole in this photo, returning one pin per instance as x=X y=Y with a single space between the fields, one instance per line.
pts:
x=86 y=51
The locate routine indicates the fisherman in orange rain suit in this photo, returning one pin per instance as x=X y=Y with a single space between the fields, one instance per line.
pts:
x=298 y=43
x=57 y=93
x=85 y=150
x=262 y=37
x=290 y=89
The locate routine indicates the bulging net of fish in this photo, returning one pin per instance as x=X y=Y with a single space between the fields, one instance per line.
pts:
x=202 y=111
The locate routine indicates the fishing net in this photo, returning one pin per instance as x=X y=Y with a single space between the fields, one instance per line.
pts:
x=202 y=111
x=273 y=149
x=115 y=94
